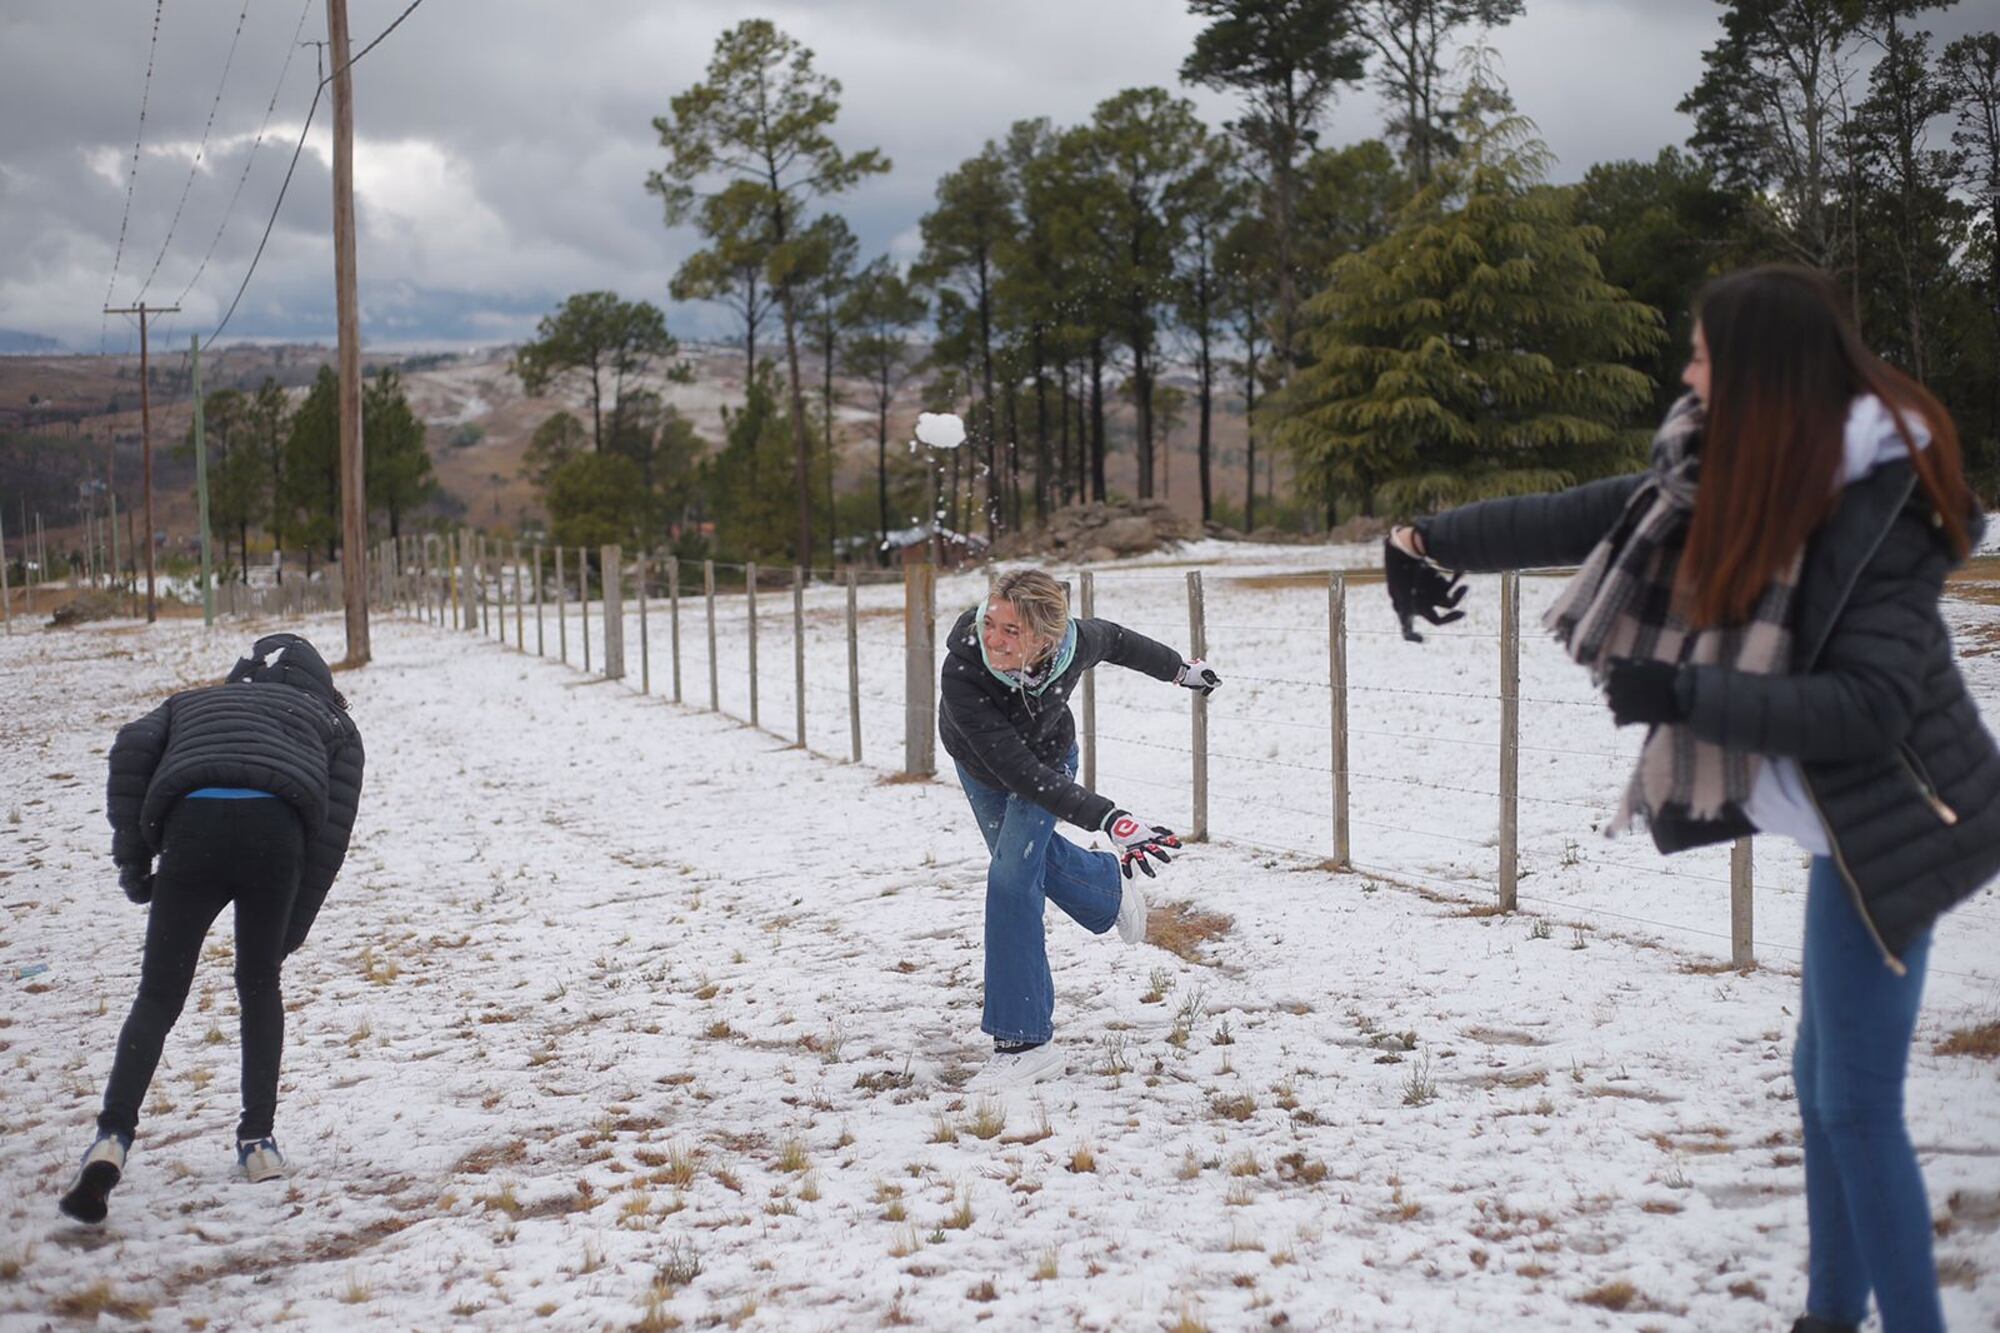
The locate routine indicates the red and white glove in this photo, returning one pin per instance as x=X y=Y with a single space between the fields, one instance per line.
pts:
x=1135 y=842
x=1196 y=674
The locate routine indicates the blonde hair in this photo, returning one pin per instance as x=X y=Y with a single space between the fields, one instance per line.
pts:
x=1040 y=600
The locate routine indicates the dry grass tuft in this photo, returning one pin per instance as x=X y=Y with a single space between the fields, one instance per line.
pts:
x=988 y=1119
x=1083 y=1158
x=99 y=1299
x=1614 y=1296
x=1182 y=928
x=1982 y=1042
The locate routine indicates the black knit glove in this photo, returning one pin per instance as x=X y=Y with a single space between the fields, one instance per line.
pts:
x=137 y=882
x=1419 y=588
x=1643 y=692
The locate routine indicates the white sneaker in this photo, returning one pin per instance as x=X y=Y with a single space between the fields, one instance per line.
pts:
x=103 y=1166
x=1017 y=1070
x=1132 y=914
x=259 y=1160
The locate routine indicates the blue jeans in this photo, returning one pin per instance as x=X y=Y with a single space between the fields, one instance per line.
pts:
x=1030 y=866
x=1869 y=1217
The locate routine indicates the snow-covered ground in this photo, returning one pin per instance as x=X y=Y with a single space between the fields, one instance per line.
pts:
x=623 y=1011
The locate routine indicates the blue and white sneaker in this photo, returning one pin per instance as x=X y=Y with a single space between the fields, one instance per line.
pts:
x=103 y=1165
x=259 y=1160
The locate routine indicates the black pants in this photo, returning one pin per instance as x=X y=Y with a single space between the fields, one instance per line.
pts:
x=216 y=852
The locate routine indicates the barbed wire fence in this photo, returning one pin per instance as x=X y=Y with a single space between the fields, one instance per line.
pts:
x=1274 y=763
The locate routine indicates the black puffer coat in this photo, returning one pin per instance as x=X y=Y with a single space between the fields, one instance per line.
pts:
x=290 y=739
x=1905 y=777
x=1015 y=739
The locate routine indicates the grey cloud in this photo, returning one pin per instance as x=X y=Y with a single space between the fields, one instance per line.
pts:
x=543 y=113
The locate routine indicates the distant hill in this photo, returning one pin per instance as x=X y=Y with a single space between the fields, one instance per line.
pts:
x=15 y=343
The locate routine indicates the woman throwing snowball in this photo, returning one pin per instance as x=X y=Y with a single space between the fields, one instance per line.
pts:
x=1009 y=668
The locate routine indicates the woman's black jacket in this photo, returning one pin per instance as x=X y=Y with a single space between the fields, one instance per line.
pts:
x=1015 y=739
x=1904 y=776
x=288 y=740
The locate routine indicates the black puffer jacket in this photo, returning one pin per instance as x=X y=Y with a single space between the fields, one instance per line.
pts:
x=261 y=732
x=1016 y=740
x=1905 y=777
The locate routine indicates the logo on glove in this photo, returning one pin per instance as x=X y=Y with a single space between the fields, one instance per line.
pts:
x=1125 y=829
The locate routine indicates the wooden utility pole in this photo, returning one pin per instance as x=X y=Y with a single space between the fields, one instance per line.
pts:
x=353 y=498
x=145 y=436
x=201 y=486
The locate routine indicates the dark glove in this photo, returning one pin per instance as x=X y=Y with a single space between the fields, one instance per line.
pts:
x=1196 y=674
x=1646 y=692
x=1135 y=842
x=1419 y=588
x=137 y=882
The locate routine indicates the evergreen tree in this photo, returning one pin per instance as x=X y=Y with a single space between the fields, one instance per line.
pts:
x=597 y=499
x=268 y=416
x=1409 y=38
x=745 y=480
x=1288 y=58
x=1348 y=200
x=1667 y=228
x=731 y=271
x=963 y=235
x=1767 y=114
x=601 y=338
x=310 y=494
x=1218 y=196
x=1144 y=148
x=1971 y=72
x=827 y=272
x=760 y=125
x=392 y=442
x=1911 y=201
x=878 y=314
x=1475 y=351
x=1034 y=277
x=559 y=438
x=1249 y=285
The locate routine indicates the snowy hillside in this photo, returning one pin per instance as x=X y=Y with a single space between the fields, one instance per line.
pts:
x=628 y=1014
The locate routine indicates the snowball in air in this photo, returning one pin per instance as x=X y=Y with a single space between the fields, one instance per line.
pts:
x=940 y=430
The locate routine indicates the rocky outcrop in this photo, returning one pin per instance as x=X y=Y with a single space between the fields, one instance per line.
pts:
x=1092 y=533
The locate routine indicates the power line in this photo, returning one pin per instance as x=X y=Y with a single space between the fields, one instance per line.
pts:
x=194 y=167
x=355 y=59
x=310 y=111
x=132 y=178
x=269 y=110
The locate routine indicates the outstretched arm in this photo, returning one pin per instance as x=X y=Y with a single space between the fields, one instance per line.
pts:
x=1525 y=531
x=1109 y=641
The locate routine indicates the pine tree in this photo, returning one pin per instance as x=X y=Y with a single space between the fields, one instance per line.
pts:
x=309 y=497
x=399 y=470
x=879 y=312
x=1475 y=351
x=760 y=127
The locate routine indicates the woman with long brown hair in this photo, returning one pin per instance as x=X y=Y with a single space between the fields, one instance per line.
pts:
x=1765 y=600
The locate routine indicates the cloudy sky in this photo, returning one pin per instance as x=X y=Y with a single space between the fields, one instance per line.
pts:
x=502 y=145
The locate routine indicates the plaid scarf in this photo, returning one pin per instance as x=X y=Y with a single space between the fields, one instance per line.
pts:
x=1623 y=603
